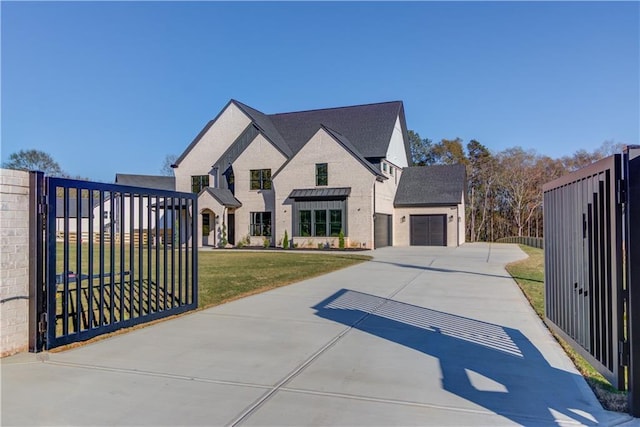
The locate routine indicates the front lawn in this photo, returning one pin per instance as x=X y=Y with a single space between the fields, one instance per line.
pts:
x=229 y=275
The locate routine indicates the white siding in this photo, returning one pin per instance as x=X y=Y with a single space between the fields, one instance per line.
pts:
x=396 y=153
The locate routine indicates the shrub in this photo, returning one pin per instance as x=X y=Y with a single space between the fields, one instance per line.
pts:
x=266 y=242
x=341 y=239
x=285 y=240
x=223 y=238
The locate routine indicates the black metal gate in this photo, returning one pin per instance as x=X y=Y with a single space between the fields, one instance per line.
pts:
x=108 y=257
x=587 y=298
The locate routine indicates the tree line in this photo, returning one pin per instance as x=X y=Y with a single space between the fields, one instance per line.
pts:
x=504 y=189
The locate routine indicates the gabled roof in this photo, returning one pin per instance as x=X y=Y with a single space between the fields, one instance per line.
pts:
x=347 y=144
x=223 y=196
x=266 y=127
x=431 y=186
x=157 y=182
x=368 y=127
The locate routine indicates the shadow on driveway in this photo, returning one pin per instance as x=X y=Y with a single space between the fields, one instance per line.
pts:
x=490 y=365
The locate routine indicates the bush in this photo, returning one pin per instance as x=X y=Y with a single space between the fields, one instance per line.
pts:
x=285 y=240
x=341 y=239
x=223 y=238
x=266 y=242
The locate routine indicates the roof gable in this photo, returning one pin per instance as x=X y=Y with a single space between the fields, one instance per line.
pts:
x=346 y=144
x=368 y=127
x=431 y=185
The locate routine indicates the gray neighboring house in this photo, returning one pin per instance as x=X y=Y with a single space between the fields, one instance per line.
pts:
x=316 y=173
x=121 y=217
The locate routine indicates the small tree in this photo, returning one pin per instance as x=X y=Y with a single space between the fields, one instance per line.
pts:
x=341 y=239
x=285 y=240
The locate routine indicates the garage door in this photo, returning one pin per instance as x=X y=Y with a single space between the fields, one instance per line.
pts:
x=428 y=230
x=382 y=230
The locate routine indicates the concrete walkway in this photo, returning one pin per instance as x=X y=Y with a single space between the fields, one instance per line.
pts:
x=418 y=336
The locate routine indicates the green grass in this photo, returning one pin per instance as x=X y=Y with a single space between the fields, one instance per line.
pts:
x=225 y=276
x=529 y=274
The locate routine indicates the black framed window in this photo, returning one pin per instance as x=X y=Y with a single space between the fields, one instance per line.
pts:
x=198 y=182
x=260 y=224
x=322 y=174
x=260 y=179
x=320 y=223
x=335 y=222
x=305 y=223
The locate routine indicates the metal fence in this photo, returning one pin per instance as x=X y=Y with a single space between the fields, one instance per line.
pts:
x=587 y=223
x=108 y=257
x=535 y=242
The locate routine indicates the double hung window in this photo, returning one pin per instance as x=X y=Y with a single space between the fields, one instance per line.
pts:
x=260 y=224
x=260 y=179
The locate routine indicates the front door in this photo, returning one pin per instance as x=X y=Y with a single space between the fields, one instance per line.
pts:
x=231 y=230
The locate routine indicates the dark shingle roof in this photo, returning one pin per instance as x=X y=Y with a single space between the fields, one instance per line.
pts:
x=431 y=185
x=267 y=128
x=157 y=182
x=224 y=196
x=367 y=127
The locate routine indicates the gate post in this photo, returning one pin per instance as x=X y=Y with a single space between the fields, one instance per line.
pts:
x=36 y=260
x=632 y=247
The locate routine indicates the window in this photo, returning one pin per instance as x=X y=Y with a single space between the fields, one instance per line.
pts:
x=335 y=222
x=384 y=166
x=391 y=170
x=260 y=179
x=260 y=224
x=198 y=182
x=320 y=223
x=322 y=174
x=314 y=223
x=305 y=223
x=206 y=225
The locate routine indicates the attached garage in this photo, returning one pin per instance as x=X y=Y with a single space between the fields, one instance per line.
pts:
x=382 y=230
x=428 y=230
x=429 y=206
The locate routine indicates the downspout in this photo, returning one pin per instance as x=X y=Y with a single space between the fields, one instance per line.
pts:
x=458 y=225
x=373 y=234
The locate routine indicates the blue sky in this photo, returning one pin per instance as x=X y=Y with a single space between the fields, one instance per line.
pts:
x=108 y=87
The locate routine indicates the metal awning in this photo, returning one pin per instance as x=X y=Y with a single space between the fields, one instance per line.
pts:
x=338 y=193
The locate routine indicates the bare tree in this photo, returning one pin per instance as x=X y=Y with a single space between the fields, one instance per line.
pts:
x=169 y=160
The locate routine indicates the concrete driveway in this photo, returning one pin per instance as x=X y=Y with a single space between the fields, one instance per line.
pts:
x=418 y=336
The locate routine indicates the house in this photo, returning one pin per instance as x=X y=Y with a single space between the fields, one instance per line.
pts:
x=123 y=213
x=315 y=174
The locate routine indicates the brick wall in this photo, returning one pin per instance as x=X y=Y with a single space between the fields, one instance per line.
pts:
x=14 y=261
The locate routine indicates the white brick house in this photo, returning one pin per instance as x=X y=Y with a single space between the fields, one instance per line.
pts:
x=312 y=174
